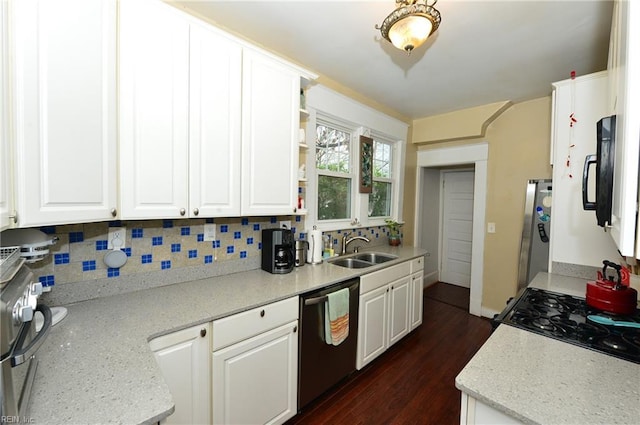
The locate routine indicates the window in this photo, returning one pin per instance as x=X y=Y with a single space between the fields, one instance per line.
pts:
x=333 y=165
x=380 y=199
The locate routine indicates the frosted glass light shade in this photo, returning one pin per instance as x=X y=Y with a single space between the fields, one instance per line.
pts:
x=410 y=32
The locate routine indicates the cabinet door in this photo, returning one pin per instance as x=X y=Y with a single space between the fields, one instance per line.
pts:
x=65 y=110
x=372 y=325
x=270 y=123
x=184 y=358
x=214 y=124
x=6 y=181
x=417 y=288
x=154 y=97
x=255 y=381
x=627 y=149
x=399 y=309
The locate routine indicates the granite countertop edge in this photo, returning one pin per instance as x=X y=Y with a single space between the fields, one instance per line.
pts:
x=540 y=380
x=96 y=366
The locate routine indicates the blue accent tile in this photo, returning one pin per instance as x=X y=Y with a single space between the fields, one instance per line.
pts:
x=243 y=254
x=61 y=258
x=216 y=244
x=298 y=219
x=176 y=247
x=237 y=235
x=259 y=245
x=127 y=251
x=209 y=220
x=167 y=224
x=273 y=220
x=256 y=227
x=245 y=221
x=101 y=245
x=224 y=228
x=76 y=237
x=137 y=233
x=230 y=249
x=303 y=235
x=115 y=223
x=49 y=230
x=156 y=240
x=88 y=265
x=185 y=231
x=165 y=264
x=147 y=258
x=299 y=189
x=249 y=241
x=113 y=272
x=48 y=280
x=200 y=237
x=193 y=253
x=208 y=259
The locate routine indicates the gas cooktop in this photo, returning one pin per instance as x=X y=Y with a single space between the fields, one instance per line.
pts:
x=564 y=317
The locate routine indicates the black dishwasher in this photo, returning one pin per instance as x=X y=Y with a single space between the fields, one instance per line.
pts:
x=322 y=365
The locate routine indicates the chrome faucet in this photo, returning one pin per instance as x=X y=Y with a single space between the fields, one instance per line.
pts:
x=346 y=240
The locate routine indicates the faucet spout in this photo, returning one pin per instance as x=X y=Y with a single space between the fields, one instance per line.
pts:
x=346 y=240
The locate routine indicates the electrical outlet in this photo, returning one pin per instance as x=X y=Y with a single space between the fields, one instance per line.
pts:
x=209 y=232
x=285 y=224
x=119 y=235
x=491 y=227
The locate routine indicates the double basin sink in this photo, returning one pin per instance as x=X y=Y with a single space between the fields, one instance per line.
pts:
x=362 y=260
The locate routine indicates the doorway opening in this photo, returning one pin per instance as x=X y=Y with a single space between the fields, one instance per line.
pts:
x=429 y=220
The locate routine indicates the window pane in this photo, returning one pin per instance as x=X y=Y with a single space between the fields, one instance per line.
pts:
x=334 y=198
x=380 y=200
x=381 y=159
x=332 y=149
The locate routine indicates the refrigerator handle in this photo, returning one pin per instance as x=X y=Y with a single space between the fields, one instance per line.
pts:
x=586 y=205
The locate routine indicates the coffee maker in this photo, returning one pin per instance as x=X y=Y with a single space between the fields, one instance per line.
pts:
x=278 y=249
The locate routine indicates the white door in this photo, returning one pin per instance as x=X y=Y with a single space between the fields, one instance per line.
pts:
x=64 y=95
x=184 y=358
x=255 y=381
x=154 y=110
x=457 y=227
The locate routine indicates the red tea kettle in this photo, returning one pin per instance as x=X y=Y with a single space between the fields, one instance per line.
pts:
x=612 y=296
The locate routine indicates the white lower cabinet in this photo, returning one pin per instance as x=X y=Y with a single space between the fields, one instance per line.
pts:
x=184 y=358
x=390 y=300
x=417 y=289
x=474 y=412
x=255 y=365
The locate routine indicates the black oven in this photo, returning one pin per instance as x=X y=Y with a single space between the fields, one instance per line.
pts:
x=19 y=340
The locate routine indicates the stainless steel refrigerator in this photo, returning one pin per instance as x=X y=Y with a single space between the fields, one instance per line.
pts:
x=534 y=246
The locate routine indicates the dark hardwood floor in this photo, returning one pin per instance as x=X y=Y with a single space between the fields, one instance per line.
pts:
x=414 y=381
x=454 y=295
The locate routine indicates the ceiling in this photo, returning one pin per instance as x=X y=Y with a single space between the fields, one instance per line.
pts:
x=483 y=52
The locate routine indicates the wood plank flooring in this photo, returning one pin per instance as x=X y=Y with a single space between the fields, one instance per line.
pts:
x=454 y=295
x=414 y=381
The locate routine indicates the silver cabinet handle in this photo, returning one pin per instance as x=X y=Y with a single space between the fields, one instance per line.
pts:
x=183 y=211
x=203 y=332
x=196 y=211
x=114 y=212
x=262 y=313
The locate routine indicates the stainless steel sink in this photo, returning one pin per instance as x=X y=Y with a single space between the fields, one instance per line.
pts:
x=374 y=257
x=351 y=263
x=362 y=260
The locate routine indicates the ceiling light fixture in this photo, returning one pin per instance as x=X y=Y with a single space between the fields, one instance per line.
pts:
x=410 y=24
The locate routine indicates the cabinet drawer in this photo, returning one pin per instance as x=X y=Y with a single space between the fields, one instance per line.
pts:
x=417 y=264
x=241 y=326
x=374 y=280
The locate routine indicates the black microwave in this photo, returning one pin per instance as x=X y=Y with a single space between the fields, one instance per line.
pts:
x=604 y=162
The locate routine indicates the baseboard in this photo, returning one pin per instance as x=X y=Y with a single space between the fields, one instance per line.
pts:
x=430 y=278
x=488 y=312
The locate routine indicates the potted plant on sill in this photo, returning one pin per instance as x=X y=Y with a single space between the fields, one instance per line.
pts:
x=395 y=237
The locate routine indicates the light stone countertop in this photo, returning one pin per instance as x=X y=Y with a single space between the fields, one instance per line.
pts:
x=539 y=380
x=96 y=365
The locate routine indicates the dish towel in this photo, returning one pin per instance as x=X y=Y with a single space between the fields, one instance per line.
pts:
x=336 y=327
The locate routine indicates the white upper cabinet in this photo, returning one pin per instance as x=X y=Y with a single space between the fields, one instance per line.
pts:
x=214 y=126
x=270 y=130
x=64 y=110
x=154 y=110
x=624 y=62
x=6 y=182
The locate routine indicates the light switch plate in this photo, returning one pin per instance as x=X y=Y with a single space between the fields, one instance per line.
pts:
x=119 y=234
x=491 y=227
x=209 y=232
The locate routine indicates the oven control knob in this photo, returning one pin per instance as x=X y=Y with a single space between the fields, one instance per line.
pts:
x=22 y=313
x=36 y=289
